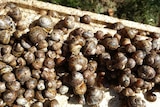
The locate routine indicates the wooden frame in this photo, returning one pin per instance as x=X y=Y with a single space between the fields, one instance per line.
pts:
x=97 y=18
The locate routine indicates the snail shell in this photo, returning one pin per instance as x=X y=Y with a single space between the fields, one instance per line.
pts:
x=13 y=85
x=17 y=50
x=23 y=74
x=68 y=22
x=5 y=36
x=46 y=22
x=9 y=96
x=77 y=63
x=37 y=104
x=111 y=43
x=6 y=49
x=150 y=96
x=37 y=34
x=146 y=72
x=80 y=89
x=77 y=79
x=6 y=22
x=136 y=102
x=94 y=96
x=2 y=87
x=15 y=13
x=57 y=35
x=85 y=19
x=6 y=69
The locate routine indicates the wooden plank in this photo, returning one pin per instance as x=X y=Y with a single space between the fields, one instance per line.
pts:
x=98 y=17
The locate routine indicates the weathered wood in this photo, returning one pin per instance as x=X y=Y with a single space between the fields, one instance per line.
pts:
x=99 y=18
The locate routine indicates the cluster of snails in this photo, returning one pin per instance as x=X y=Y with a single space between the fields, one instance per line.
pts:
x=50 y=59
x=134 y=62
x=33 y=65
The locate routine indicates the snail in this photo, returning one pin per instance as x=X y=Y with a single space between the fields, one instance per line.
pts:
x=37 y=104
x=120 y=61
x=2 y=87
x=118 y=26
x=88 y=34
x=139 y=82
x=13 y=85
x=21 y=101
x=150 y=96
x=85 y=19
x=146 y=72
x=8 y=77
x=5 y=36
x=128 y=92
x=77 y=63
x=152 y=59
x=57 y=35
x=138 y=56
x=124 y=80
x=90 y=46
x=51 y=103
x=99 y=35
x=145 y=45
x=68 y=22
x=23 y=73
x=156 y=43
x=50 y=93
x=38 y=63
x=25 y=43
x=40 y=54
x=41 y=85
x=15 y=13
x=46 y=22
x=100 y=49
x=68 y=59
x=131 y=32
x=42 y=44
x=78 y=31
x=90 y=77
x=130 y=48
x=8 y=58
x=76 y=43
x=39 y=96
x=130 y=63
x=17 y=49
x=111 y=43
x=56 y=45
x=29 y=57
x=29 y=94
x=21 y=61
x=125 y=41
x=6 y=23
x=53 y=13
x=54 y=103
x=31 y=83
x=48 y=74
x=6 y=49
x=63 y=89
x=9 y=97
x=94 y=96
x=6 y=69
x=37 y=34
x=136 y=102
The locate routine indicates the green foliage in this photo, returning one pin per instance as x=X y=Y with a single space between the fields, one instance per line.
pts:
x=144 y=11
x=98 y=6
